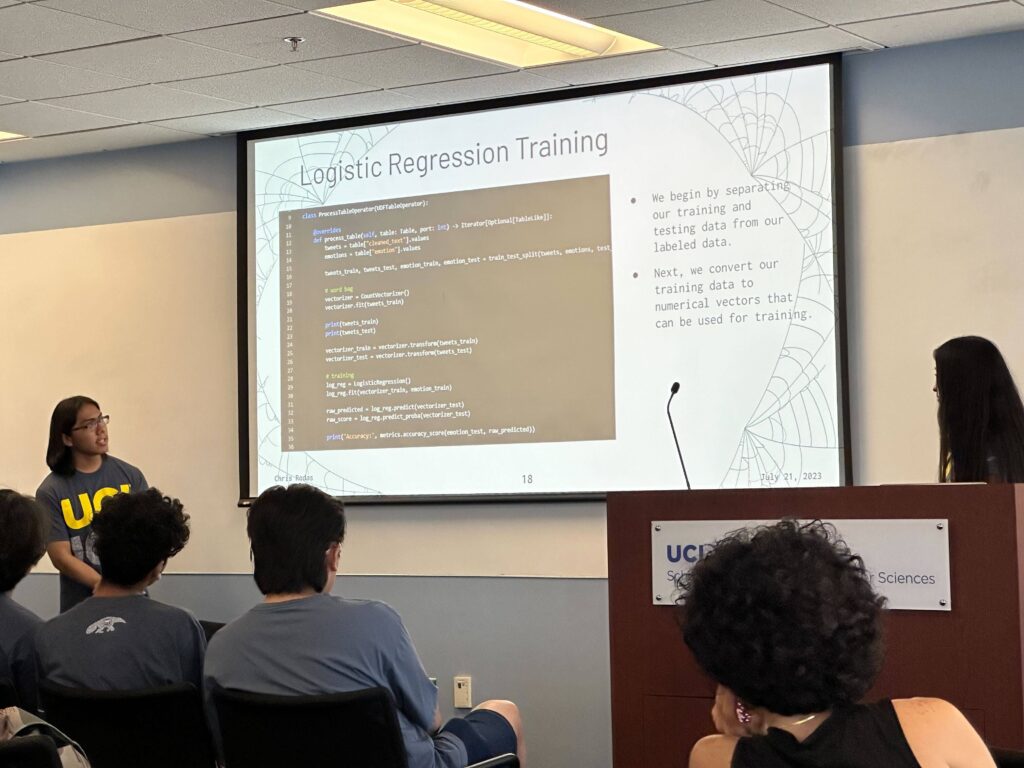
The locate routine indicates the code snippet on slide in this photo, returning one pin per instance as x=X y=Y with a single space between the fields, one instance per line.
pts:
x=462 y=318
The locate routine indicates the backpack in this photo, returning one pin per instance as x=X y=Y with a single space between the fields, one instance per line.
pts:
x=15 y=722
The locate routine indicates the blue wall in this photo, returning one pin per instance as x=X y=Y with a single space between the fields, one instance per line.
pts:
x=959 y=86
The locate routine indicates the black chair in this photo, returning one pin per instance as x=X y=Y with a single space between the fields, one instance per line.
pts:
x=340 y=730
x=157 y=728
x=29 y=752
x=210 y=628
x=8 y=694
x=1007 y=758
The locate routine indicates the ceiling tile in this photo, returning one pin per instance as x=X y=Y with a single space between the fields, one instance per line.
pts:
x=157 y=60
x=585 y=9
x=627 y=67
x=475 y=88
x=5 y=3
x=37 y=79
x=346 y=106
x=265 y=39
x=272 y=85
x=231 y=122
x=841 y=11
x=5 y=100
x=397 y=67
x=942 y=25
x=32 y=119
x=788 y=45
x=29 y=30
x=122 y=137
x=713 y=21
x=146 y=103
x=163 y=17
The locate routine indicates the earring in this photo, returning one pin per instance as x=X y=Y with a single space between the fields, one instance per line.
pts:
x=742 y=715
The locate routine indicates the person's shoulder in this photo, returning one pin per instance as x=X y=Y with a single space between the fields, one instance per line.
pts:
x=368 y=609
x=223 y=646
x=927 y=709
x=19 y=624
x=937 y=732
x=713 y=752
x=112 y=462
x=14 y=614
x=58 y=625
x=51 y=485
x=167 y=611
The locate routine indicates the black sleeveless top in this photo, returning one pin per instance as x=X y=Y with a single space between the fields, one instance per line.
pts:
x=860 y=736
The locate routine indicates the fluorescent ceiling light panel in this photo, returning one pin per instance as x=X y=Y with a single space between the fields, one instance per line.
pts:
x=506 y=31
x=4 y=136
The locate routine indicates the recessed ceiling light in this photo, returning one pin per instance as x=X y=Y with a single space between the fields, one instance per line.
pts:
x=4 y=136
x=506 y=31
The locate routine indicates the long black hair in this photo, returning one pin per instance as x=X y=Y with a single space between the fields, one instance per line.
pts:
x=981 y=418
x=58 y=455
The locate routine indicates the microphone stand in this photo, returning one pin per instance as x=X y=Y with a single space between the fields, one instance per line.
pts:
x=675 y=439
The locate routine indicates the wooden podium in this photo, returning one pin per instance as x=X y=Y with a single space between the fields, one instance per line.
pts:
x=970 y=655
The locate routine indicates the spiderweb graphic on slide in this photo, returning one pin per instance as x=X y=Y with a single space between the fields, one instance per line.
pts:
x=282 y=189
x=796 y=413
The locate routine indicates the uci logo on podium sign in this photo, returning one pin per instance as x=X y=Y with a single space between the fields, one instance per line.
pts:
x=907 y=560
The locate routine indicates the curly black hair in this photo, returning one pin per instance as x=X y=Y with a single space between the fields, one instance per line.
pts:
x=785 y=617
x=135 y=532
x=22 y=537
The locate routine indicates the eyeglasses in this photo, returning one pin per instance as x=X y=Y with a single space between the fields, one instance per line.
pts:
x=92 y=424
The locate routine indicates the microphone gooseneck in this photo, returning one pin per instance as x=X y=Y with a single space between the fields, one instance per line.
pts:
x=675 y=439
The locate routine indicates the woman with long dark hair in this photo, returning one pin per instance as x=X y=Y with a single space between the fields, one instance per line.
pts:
x=981 y=418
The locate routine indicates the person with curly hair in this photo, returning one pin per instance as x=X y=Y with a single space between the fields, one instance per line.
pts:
x=981 y=417
x=22 y=543
x=120 y=639
x=785 y=620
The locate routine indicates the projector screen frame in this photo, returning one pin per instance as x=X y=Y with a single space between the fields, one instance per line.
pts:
x=243 y=297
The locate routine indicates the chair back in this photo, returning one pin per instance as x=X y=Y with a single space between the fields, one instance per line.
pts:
x=157 y=728
x=358 y=729
x=210 y=628
x=29 y=752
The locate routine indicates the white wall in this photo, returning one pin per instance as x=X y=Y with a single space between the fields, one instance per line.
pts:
x=934 y=232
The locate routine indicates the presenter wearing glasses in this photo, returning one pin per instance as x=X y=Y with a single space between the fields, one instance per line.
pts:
x=82 y=475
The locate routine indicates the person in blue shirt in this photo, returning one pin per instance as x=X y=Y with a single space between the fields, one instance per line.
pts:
x=302 y=641
x=22 y=543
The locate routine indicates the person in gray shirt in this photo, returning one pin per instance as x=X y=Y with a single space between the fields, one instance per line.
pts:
x=119 y=639
x=302 y=641
x=83 y=476
x=22 y=543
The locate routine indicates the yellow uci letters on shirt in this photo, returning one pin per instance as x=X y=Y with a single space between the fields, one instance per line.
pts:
x=88 y=506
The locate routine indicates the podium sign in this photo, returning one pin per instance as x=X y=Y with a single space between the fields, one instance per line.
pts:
x=907 y=560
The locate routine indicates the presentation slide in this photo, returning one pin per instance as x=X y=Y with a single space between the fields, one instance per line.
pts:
x=500 y=302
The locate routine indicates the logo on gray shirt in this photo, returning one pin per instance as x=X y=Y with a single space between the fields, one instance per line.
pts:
x=104 y=625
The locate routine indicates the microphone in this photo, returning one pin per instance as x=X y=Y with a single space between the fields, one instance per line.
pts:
x=668 y=410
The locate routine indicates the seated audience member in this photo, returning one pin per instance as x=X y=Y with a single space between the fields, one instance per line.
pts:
x=302 y=641
x=22 y=543
x=784 y=619
x=120 y=639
